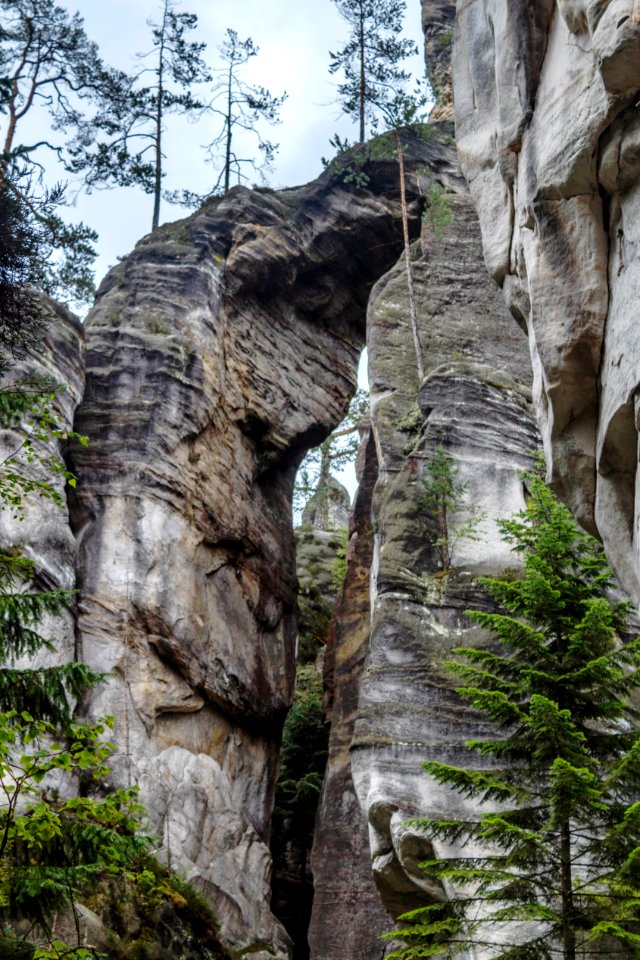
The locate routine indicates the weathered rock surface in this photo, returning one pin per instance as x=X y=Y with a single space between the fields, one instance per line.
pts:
x=474 y=401
x=319 y=564
x=217 y=353
x=328 y=508
x=548 y=130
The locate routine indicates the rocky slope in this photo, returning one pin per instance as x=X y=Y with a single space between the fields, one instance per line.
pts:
x=548 y=129
x=394 y=706
x=217 y=353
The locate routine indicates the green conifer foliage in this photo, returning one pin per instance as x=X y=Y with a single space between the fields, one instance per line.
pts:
x=443 y=496
x=551 y=866
x=27 y=409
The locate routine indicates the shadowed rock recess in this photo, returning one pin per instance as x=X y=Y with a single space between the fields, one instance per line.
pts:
x=220 y=350
x=548 y=130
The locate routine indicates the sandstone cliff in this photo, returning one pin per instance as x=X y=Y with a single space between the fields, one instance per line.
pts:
x=548 y=130
x=437 y=25
x=217 y=353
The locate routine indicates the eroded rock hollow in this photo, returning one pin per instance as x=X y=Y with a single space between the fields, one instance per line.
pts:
x=548 y=130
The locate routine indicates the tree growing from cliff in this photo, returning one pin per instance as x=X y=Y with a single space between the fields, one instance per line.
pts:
x=49 y=845
x=443 y=496
x=370 y=61
x=551 y=868
x=133 y=152
x=241 y=107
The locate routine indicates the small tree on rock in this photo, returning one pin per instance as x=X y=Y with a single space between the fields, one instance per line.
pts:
x=552 y=869
x=133 y=153
x=443 y=496
x=242 y=106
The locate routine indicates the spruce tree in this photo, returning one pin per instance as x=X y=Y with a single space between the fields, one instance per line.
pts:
x=442 y=498
x=551 y=866
x=53 y=845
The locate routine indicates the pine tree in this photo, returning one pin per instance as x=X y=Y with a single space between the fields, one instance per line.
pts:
x=21 y=318
x=370 y=60
x=47 y=59
x=551 y=868
x=178 y=67
x=131 y=151
x=242 y=107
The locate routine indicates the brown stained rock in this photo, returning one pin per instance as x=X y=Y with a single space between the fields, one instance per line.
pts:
x=347 y=913
x=547 y=122
x=220 y=350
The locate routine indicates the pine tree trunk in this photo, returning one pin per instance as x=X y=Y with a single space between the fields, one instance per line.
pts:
x=413 y=313
x=158 y=137
x=566 y=892
x=13 y=101
x=227 y=152
x=362 y=75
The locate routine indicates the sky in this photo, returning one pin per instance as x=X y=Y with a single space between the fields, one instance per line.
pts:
x=294 y=37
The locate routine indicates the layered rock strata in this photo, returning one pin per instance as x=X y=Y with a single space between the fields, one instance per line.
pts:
x=548 y=130
x=217 y=353
x=475 y=402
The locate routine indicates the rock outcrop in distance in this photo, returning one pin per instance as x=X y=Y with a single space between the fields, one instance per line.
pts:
x=437 y=25
x=548 y=131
